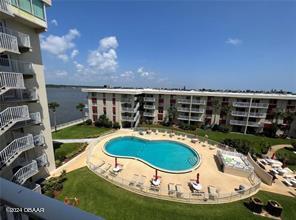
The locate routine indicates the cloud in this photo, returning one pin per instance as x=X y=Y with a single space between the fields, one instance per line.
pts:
x=54 y=22
x=60 y=45
x=79 y=67
x=145 y=74
x=61 y=73
x=234 y=41
x=74 y=53
x=127 y=75
x=105 y=57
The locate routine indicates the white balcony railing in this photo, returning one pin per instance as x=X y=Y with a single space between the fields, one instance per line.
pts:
x=195 y=118
x=130 y=118
x=25 y=173
x=23 y=39
x=16 y=147
x=197 y=110
x=198 y=102
x=12 y=115
x=183 y=117
x=12 y=65
x=247 y=104
x=149 y=106
x=148 y=114
x=42 y=160
x=149 y=99
x=8 y=43
x=39 y=140
x=182 y=109
x=10 y=80
x=4 y=6
x=36 y=117
x=254 y=124
x=184 y=101
x=239 y=113
x=127 y=109
x=21 y=95
x=237 y=122
x=259 y=105
x=257 y=115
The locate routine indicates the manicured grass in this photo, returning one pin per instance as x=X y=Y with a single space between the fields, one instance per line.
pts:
x=220 y=136
x=111 y=202
x=287 y=153
x=65 y=150
x=79 y=131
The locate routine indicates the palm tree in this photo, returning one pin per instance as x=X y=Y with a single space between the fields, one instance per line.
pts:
x=53 y=107
x=279 y=114
x=80 y=107
x=290 y=116
x=226 y=109
x=216 y=107
x=172 y=114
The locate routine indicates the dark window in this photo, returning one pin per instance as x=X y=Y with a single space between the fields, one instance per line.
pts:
x=113 y=101
x=114 y=119
x=160 y=101
x=114 y=111
x=94 y=100
x=160 y=117
x=95 y=117
x=160 y=109
x=104 y=101
x=94 y=109
x=105 y=111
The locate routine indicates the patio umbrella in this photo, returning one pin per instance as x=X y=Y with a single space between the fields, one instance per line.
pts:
x=156 y=177
x=197 y=178
x=273 y=155
x=115 y=161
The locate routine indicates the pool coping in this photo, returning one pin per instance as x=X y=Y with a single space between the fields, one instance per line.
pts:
x=150 y=165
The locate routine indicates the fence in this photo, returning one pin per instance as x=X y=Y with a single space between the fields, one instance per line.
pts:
x=161 y=193
x=68 y=124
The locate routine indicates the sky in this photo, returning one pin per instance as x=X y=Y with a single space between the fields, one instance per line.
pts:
x=197 y=44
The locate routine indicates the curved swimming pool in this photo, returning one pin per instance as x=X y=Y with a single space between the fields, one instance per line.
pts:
x=165 y=155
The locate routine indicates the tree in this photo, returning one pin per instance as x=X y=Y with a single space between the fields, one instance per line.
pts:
x=290 y=117
x=226 y=109
x=80 y=107
x=103 y=121
x=216 y=108
x=53 y=107
x=172 y=114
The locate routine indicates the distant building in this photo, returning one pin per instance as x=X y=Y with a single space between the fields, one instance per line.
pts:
x=26 y=151
x=242 y=112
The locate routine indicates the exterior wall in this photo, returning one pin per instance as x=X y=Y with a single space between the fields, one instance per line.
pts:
x=22 y=22
x=262 y=174
x=250 y=113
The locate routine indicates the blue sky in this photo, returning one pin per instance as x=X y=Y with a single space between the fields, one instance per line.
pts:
x=210 y=44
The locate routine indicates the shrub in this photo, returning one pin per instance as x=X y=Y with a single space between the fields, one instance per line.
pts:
x=294 y=145
x=103 y=121
x=58 y=163
x=116 y=125
x=88 y=122
x=220 y=128
x=54 y=184
x=242 y=146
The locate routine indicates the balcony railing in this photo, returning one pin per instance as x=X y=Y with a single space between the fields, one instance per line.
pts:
x=149 y=106
x=148 y=114
x=23 y=39
x=127 y=109
x=11 y=115
x=42 y=160
x=198 y=102
x=12 y=65
x=257 y=115
x=239 y=113
x=184 y=101
x=10 y=80
x=4 y=6
x=247 y=104
x=183 y=117
x=237 y=122
x=15 y=148
x=39 y=140
x=35 y=117
x=195 y=118
x=182 y=109
x=25 y=173
x=254 y=124
x=197 y=110
x=8 y=43
x=149 y=99
x=21 y=95
x=128 y=99
x=130 y=118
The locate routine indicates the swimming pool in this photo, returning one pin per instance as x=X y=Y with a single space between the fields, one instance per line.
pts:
x=165 y=155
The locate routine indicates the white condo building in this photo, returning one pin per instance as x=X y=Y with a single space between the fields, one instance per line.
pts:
x=241 y=111
x=26 y=151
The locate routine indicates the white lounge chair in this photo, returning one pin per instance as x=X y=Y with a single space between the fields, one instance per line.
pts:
x=134 y=179
x=287 y=182
x=179 y=190
x=212 y=192
x=104 y=168
x=141 y=181
x=171 y=188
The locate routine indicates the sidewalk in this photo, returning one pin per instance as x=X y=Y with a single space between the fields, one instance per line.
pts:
x=84 y=140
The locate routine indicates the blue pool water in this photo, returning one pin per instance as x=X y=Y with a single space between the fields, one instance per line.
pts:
x=168 y=156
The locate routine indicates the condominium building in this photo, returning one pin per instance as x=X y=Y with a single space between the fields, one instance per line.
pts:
x=243 y=112
x=26 y=151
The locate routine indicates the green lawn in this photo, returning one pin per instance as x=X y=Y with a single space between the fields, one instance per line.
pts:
x=79 y=131
x=111 y=202
x=220 y=136
x=62 y=151
x=289 y=154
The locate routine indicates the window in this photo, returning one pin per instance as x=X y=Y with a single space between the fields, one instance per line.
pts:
x=160 y=109
x=114 y=111
x=114 y=119
x=38 y=9
x=104 y=101
x=105 y=111
x=95 y=117
x=113 y=101
x=94 y=100
x=94 y=110
x=160 y=117
x=25 y=5
x=160 y=101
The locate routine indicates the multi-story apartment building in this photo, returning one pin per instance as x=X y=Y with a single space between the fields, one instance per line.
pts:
x=243 y=112
x=26 y=151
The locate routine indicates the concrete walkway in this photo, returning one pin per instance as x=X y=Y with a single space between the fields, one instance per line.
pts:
x=275 y=148
x=84 y=140
x=69 y=124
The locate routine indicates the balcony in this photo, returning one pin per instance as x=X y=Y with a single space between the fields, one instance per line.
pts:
x=21 y=95
x=149 y=99
x=25 y=173
x=15 y=148
x=42 y=160
x=4 y=7
x=182 y=109
x=23 y=39
x=129 y=100
x=39 y=140
x=183 y=117
x=10 y=81
x=12 y=115
x=12 y=65
x=197 y=110
x=152 y=107
x=35 y=118
x=8 y=43
x=130 y=109
x=149 y=114
x=237 y=122
x=184 y=101
x=198 y=102
x=254 y=124
x=247 y=105
x=195 y=118
x=239 y=113
x=257 y=115
x=130 y=118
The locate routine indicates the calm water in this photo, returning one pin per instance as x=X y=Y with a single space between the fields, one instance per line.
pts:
x=164 y=155
x=68 y=98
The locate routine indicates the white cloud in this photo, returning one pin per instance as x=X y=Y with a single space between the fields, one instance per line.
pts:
x=145 y=74
x=127 y=75
x=60 y=45
x=61 y=73
x=79 y=67
x=105 y=57
x=74 y=53
x=234 y=41
x=54 y=22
